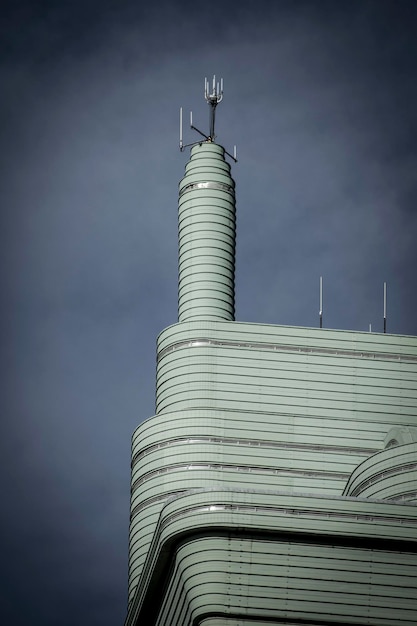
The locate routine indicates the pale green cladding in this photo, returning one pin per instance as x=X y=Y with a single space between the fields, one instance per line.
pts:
x=206 y=233
x=277 y=482
x=252 y=408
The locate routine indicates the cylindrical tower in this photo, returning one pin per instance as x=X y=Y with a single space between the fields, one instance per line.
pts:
x=207 y=235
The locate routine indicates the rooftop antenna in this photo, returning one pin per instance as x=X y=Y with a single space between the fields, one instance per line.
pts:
x=213 y=98
x=385 y=307
x=321 y=302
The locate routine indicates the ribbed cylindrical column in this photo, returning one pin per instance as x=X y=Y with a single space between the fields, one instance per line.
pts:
x=207 y=234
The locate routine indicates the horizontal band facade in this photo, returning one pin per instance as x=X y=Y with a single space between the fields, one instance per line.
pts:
x=207 y=185
x=206 y=237
x=205 y=341
x=355 y=549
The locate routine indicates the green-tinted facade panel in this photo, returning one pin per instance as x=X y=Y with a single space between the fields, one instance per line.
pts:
x=277 y=481
x=206 y=237
x=255 y=554
x=284 y=410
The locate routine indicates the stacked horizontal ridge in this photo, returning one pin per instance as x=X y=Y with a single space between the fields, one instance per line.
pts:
x=207 y=234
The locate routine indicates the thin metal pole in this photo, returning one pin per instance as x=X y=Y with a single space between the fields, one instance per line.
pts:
x=212 y=119
x=321 y=302
x=385 y=307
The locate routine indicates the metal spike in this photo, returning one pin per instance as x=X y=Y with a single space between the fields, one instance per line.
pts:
x=321 y=302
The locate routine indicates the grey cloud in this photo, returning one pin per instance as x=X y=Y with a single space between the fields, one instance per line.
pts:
x=321 y=105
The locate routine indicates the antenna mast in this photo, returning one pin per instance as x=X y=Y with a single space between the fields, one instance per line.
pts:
x=321 y=302
x=385 y=307
x=212 y=98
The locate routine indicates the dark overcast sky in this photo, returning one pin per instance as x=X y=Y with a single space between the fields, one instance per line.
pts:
x=321 y=100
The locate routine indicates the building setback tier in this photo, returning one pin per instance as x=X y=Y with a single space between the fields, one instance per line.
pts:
x=294 y=410
x=240 y=557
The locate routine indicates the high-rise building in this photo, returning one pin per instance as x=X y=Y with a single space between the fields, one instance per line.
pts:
x=277 y=482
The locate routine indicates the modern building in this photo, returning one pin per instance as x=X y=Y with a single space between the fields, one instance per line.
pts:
x=277 y=482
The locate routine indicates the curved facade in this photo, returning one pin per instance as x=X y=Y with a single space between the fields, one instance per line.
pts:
x=206 y=233
x=389 y=475
x=250 y=406
x=251 y=557
x=276 y=482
